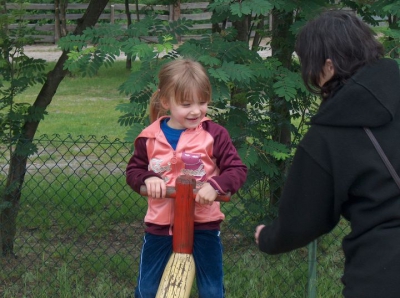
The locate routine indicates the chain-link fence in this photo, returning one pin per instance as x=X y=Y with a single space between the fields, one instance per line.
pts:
x=79 y=232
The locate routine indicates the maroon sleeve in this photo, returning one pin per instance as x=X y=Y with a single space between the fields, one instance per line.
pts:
x=137 y=169
x=233 y=171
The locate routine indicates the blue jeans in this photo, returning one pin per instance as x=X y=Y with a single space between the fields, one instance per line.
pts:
x=207 y=254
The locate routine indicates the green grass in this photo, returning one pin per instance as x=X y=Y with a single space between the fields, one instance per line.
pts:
x=80 y=236
x=255 y=275
x=75 y=202
x=84 y=106
x=66 y=283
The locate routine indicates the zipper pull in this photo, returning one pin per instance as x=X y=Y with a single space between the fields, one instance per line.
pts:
x=173 y=159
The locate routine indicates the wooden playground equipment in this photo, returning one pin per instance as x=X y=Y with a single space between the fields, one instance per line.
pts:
x=179 y=273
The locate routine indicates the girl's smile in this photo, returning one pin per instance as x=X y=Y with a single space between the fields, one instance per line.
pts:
x=186 y=115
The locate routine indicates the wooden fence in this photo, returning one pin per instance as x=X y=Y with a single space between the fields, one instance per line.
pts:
x=42 y=17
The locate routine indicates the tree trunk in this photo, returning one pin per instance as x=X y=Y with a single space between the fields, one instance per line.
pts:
x=177 y=10
x=57 y=27
x=215 y=27
x=4 y=33
x=128 y=64
x=63 y=17
x=137 y=10
x=3 y=11
x=242 y=27
x=3 y=7
x=282 y=45
x=176 y=15
x=60 y=19
x=393 y=22
x=18 y=161
x=257 y=36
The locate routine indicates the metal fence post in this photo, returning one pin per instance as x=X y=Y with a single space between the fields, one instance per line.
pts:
x=312 y=270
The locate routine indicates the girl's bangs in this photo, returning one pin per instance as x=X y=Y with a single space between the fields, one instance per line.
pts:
x=188 y=94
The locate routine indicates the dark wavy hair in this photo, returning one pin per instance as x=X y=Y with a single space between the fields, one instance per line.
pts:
x=340 y=36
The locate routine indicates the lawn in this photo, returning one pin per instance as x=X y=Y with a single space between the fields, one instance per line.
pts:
x=84 y=106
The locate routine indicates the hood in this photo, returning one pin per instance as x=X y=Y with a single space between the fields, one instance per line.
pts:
x=370 y=98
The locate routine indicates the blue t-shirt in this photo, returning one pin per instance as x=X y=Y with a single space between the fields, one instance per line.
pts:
x=171 y=134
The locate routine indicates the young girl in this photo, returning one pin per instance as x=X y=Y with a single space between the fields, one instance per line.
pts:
x=336 y=170
x=182 y=141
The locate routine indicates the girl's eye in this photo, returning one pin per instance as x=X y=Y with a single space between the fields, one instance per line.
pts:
x=184 y=104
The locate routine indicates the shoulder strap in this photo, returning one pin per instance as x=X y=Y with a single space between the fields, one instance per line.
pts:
x=383 y=156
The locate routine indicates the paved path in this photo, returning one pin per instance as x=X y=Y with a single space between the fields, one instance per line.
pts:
x=52 y=52
x=48 y=52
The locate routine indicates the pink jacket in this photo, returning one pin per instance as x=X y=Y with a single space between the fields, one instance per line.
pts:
x=206 y=153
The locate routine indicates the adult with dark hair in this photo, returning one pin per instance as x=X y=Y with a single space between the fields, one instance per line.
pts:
x=336 y=170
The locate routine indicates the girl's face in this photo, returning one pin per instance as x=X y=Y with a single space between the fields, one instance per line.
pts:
x=186 y=115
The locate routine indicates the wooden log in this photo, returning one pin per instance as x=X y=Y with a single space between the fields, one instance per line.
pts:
x=179 y=273
x=178 y=276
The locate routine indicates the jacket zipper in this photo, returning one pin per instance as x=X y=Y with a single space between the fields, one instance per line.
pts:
x=173 y=159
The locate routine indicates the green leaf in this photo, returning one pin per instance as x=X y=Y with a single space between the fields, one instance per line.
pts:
x=209 y=60
x=219 y=74
x=238 y=72
x=133 y=132
x=288 y=84
x=137 y=81
x=277 y=150
x=248 y=7
x=220 y=91
x=250 y=157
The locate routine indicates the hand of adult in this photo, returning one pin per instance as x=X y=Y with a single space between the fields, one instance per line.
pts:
x=257 y=233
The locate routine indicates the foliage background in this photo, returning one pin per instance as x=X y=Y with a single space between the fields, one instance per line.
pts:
x=262 y=102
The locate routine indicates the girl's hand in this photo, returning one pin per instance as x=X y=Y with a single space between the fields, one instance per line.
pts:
x=206 y=194
x=257 y=233
x=156 y=187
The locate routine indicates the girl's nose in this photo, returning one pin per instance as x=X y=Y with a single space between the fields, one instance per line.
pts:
x=195 y=109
